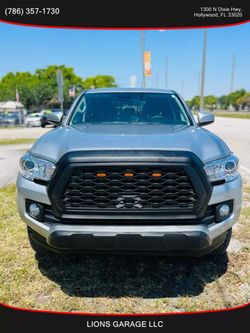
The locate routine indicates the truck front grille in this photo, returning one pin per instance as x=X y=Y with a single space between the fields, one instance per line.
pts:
x=124 y=188
x=207 y=219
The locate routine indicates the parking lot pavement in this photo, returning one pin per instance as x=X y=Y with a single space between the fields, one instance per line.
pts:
x=236 y=133
x=9 y=162
x=23 y=132
x=10 y=154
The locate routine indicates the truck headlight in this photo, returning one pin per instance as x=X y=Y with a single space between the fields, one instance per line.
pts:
x=35 y=168
x=224 y=169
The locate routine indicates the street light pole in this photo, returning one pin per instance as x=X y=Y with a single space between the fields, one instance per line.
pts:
x=142 y=58
x=199 y=84
x=232 y=73
x=203 y=71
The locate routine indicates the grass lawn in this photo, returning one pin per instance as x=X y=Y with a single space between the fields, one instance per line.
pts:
x=16 y=141
x=119 y=284
x=7 y=127
x=240 y=115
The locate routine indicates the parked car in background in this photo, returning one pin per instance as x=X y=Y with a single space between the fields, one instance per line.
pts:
x=33 y=119
x=10 y=119
x=57 y=112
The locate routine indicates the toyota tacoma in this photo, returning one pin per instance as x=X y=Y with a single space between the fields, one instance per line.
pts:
x=130 y=171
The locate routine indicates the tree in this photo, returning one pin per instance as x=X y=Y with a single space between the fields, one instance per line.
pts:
x=47 y=89
x=40 y=89
x=100 y=81
x=24 y=82
x=235 y=95
x=210 y=101
x=195 y=103
x=244 y=101
x=223 y=101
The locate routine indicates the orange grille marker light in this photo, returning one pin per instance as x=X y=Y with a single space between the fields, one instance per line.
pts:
x=101 y=174
x=156 y=174
x=128 y=174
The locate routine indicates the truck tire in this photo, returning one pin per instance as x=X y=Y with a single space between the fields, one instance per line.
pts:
x=222 y=249
x=36 y=245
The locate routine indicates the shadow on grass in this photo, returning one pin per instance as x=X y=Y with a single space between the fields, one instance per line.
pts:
x=131 y=276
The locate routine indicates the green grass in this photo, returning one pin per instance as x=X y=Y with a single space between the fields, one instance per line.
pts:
x=117 y=284
x=8 y=127
x=239 y=115
x=16 y=141
x=233 y=115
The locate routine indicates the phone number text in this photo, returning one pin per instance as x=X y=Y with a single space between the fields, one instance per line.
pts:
x=31 y=11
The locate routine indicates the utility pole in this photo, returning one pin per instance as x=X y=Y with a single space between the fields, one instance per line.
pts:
x=203 y=71
x=233 y=72
x=60 y=87
x=166 y=72
x=142 y=58
x=199 y=84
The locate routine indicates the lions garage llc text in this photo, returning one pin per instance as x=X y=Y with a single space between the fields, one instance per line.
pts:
x=125 y=323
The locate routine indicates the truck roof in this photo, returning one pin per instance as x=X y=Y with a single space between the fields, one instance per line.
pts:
x=135 y=90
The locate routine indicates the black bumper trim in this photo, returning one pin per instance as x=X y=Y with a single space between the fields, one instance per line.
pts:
x=66 y=240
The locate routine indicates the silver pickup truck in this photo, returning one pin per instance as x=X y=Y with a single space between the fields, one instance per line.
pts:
x=130 y=170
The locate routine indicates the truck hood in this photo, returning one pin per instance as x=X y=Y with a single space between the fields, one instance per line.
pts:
x=54 y=144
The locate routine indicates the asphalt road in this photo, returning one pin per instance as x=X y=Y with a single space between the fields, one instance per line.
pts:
x=235 y=132
x=23 y=132
x=9 y=162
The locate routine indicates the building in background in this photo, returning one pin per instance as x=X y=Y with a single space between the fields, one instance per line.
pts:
x=11 y=106
x=11 y=113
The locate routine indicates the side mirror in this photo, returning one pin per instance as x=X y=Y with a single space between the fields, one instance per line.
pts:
x=205 y=118
x=54 y=119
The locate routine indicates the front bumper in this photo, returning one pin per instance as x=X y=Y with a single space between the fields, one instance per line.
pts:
x=198 y=238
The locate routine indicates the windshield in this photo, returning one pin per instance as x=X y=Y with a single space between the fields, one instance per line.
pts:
x=138 y=108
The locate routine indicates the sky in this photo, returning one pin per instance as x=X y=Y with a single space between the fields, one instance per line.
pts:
x=118 y=53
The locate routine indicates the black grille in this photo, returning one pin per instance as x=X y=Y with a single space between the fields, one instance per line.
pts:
x=128 y=188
